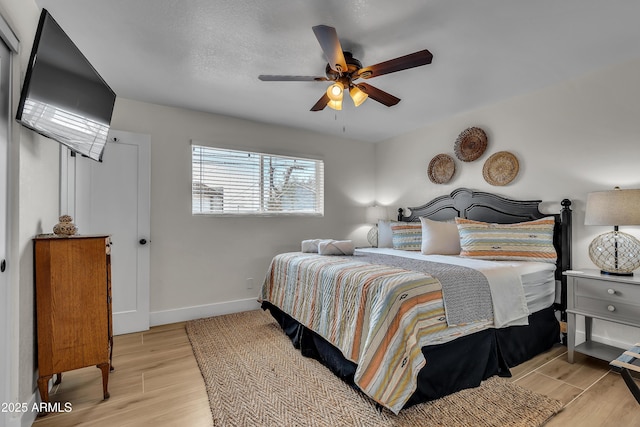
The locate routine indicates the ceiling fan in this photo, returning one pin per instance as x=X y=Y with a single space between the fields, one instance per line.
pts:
x=343 y=69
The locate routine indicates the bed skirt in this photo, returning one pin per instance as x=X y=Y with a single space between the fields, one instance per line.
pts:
x=451 y=367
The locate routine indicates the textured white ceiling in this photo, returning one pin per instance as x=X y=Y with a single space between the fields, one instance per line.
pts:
x=207 y=54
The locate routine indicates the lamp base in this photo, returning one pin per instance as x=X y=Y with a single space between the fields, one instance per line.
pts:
x=372 y=236
x=615 y=253
x=612 y=273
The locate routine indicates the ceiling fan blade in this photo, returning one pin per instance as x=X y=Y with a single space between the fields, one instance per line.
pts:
x=412 y=60
x=378 y=95
x=330 y=44
x=322 y=102
x=276 y=78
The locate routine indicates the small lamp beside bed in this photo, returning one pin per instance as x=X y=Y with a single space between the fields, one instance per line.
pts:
x=375 y=213
x=615 y=252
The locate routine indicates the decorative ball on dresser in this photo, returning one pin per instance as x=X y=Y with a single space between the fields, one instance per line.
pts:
x=65 y=227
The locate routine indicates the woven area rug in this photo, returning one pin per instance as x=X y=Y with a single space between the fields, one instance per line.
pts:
x=254 y=377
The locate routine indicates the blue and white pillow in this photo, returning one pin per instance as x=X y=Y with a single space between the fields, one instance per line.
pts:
x=407 y=236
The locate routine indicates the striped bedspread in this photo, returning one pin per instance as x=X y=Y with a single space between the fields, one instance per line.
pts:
x=378 y=316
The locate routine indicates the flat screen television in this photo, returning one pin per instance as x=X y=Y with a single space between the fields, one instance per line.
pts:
x=63 y=97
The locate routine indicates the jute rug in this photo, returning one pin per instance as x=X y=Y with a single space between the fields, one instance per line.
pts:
x=254 y=377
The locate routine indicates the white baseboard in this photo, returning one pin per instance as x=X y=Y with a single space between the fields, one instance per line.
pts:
x=604 y=340
x=199 y=311
x=24 y=419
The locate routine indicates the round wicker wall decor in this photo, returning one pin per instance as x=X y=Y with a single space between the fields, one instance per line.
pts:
x=501 y=168
x=470 y=144
x=441 y=169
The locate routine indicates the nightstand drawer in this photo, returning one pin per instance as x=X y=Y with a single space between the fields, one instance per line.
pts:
x=613 y=292
x=614 y=310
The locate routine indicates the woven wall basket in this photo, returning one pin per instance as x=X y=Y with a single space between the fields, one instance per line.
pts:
x=501 y=168
x=470 y=144
x=441 y=169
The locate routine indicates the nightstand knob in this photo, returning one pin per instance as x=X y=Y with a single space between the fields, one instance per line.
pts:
x=611 y=291
x=611 y=308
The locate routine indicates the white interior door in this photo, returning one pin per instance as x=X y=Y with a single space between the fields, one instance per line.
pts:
x=112 y=197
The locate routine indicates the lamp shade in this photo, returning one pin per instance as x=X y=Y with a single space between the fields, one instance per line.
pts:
x=613 y=207
x=335 y=91
x=336 y=105
x=357 y=95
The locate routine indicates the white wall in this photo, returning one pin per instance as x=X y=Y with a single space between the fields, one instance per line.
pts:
x=570 y=139
x=198 y=260
x=33 y=204
x=574 y=138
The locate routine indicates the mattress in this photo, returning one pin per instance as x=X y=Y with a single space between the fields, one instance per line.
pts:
x=537 y=278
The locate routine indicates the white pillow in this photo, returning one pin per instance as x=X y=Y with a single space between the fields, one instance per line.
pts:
x=439 y=238
x=385 y=234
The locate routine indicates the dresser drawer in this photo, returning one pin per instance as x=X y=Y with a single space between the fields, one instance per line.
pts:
x=613 y=300
x=611 y=310
x=610 y=291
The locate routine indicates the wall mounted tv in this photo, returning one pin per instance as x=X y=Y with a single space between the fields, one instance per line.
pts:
x=63 y=97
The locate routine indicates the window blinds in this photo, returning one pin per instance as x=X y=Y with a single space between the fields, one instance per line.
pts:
x=227 y=182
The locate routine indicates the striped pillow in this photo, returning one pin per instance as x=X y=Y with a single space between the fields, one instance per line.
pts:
x=407 y=236
x=523 y=241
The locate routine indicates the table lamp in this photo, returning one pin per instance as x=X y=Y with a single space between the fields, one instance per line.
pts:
x=374 y=213
x=615 y=252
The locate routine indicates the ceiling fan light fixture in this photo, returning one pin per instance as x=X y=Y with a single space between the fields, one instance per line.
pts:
x=357 y=95
x=336 y=105
x=335 y=92
x=342 y=69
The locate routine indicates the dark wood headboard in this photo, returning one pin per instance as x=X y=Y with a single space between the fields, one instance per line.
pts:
x=488 y=207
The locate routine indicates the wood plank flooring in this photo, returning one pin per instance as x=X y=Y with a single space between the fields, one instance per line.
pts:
x=157 y=382
x=594 y=395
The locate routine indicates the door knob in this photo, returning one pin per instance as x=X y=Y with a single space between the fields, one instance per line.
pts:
x=143 y=241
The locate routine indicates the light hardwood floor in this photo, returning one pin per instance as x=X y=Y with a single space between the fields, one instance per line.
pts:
x=157 y=382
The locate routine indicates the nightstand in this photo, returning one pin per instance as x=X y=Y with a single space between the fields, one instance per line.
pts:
x=600 y=296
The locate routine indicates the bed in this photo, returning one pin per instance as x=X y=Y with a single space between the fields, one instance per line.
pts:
x=408 y=326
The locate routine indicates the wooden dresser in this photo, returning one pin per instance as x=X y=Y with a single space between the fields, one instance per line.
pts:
x=73 y=303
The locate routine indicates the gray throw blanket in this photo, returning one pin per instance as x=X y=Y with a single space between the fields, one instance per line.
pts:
x=465 y=291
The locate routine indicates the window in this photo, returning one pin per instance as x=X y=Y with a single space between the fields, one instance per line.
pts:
x=228 y=182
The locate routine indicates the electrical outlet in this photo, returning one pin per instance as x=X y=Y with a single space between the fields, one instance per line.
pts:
x=250 y=283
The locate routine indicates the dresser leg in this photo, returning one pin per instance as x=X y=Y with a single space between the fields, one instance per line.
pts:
x=104 y=367
x=111 y=354
x=43 y=386
x=58 y=378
